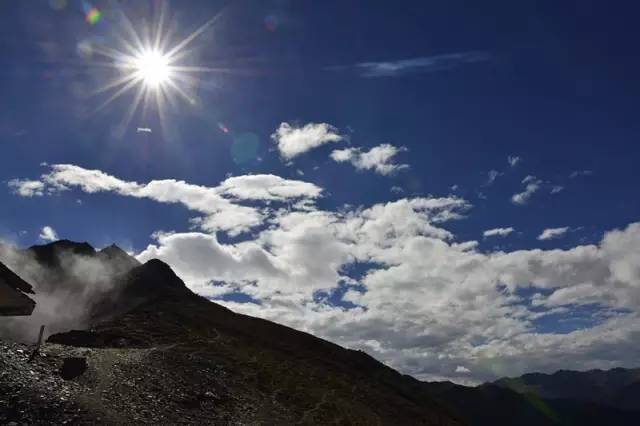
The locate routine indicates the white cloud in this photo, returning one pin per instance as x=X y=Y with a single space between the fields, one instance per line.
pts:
x=462 y=370
x=377 y=158
x=500 y=232
x=532 y=186
x=556 y=189
x=551 y=233
x=27 y=188
x=513 y=160
x=397 y=189
x=48 y=234
x=220 y=206
x=420 y=299
x=267 y=187
x=293 y=141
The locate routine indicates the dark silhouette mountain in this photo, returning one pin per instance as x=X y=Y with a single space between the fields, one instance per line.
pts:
x=274 y=374
x=490 y=404
x=13 y=300
x=617 y=387
x=119 y=258
x=75 y=266
x=51 y=254
x=151 y=351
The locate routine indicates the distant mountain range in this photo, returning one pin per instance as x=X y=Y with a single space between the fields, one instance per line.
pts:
x=618 y=387
x=153 y=346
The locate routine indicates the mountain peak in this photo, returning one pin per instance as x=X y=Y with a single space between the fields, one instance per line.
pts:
x=155 y=274
x=67 y=245
x=49 y=253
x=115 y=253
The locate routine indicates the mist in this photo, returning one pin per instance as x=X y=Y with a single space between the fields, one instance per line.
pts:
x=66 y=286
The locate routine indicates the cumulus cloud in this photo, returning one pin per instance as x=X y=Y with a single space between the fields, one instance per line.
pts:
x=267 y=187
x=532 y=186
x=48 y=234
x=513 y=160
x=500 y=232
x=551 y=233
x=293 y=141
x=378 y=159
x=556 y=189
x=419 y=298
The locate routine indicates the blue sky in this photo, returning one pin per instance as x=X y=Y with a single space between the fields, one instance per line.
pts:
x=385 y=107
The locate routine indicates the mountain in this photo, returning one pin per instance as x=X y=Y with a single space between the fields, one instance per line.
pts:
x=13 y=300
x=52 y=254
x=489 y=404
x=71 y=266
x=272 y=374
x=151 y=351
x=618 y=387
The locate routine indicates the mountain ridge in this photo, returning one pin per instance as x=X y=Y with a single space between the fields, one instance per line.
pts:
x=608 y=387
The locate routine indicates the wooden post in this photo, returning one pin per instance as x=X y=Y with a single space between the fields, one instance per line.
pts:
x=36 y=351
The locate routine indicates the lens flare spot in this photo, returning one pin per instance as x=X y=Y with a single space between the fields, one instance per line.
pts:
x=223 y=128
x=245 y=148
x=93 y=16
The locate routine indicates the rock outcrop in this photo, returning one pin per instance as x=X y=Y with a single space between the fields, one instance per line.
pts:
x=13 y=300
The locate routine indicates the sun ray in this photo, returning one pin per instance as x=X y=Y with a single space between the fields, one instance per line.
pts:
x=194 y=34
x=134 y=106
x=180 y=91
x=137 y=44
x=119 y=93
x=157 y=44
x=115 y=83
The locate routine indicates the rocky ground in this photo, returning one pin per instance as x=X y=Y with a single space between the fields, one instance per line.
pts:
x=34 y=392
x=112 y=386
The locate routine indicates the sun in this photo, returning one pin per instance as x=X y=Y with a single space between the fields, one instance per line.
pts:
x=153 y=67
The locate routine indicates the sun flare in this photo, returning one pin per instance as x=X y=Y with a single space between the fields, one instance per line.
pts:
x=151 y=65
x=153 y=68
